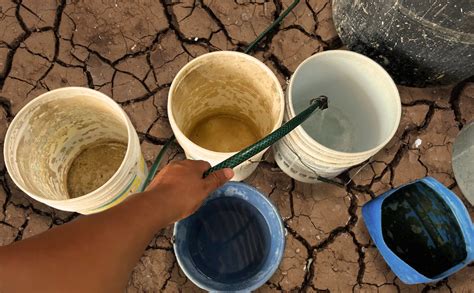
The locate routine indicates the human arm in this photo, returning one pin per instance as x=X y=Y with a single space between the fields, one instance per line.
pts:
x=97 y=253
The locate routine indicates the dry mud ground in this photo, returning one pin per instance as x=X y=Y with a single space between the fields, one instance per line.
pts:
x=131 y=50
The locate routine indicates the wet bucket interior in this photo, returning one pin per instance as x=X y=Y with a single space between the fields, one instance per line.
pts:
x=225 y=102
x=235 y=241
x=56 y=131
x=362 y=111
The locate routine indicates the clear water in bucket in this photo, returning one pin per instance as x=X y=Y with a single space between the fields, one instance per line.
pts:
x=351 y=123
x=231 y=240
x=336 y=122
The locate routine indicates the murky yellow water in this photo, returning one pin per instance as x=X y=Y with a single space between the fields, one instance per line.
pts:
x=93 y=167
x=224 y=132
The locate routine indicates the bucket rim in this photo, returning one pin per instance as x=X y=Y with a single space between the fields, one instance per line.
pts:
x=185 y=70
x=386 y=76
x=86 y=197
x=280 y=227
x=304 y=155
x=464 y=134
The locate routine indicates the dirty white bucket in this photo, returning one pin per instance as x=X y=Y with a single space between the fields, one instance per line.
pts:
x=224 y=84
x=363 y=115
x=52 y=130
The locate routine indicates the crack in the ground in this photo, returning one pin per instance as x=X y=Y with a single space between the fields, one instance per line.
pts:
x=292 y=189
x=21 y=229
x=361 y=260
x=309 y=273
x=6 y=188
x=217 y=21
x=31 y=11
x=280 y=66
x=403 y=149
x=174 y=25
x=9 y=58
x=435 y=286
x=170 y=270
x=7 y=107
x=455 y=99
x=54 y=219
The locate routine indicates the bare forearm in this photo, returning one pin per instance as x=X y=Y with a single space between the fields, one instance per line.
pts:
x=97 y=253
x=93 y=253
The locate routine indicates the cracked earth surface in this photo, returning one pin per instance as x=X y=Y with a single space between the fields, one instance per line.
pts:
x=131 y=50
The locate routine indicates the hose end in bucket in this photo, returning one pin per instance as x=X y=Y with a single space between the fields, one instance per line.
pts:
x=322 y=100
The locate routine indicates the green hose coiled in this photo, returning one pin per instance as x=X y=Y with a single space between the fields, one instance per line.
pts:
x=319 y=103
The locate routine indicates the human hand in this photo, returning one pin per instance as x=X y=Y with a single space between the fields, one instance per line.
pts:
x=180 y=189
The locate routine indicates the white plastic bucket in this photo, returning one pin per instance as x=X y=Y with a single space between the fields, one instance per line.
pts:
x=363 y=115
x=48 y=134
x=224 y=82
x=463 y=158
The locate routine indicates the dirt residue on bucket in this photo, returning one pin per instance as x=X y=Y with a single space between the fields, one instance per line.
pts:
x=224 y=132
x=93 y=167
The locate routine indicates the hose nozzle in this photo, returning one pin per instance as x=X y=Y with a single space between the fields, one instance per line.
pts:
x=322 y=100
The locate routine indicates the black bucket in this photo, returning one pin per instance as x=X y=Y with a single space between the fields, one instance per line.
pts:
x=419 y=43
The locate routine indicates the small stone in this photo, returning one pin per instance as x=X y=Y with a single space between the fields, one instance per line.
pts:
x=417 y=143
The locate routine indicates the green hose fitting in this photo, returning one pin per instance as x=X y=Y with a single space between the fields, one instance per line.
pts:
x=318 y=103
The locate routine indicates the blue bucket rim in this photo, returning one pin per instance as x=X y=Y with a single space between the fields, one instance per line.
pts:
x=266 y=275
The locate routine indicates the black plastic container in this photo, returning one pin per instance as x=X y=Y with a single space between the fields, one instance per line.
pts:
x=419 y=43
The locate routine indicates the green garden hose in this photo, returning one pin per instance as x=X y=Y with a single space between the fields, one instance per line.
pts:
x=156 y=164
x=271 y=27
x=318 y=103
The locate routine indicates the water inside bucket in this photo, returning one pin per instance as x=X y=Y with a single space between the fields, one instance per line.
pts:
x=224 y=132
x=332 y=128
x=230 y=240
x=363 y=104
x=349 y=124
x=94 y=166
x=422 y=230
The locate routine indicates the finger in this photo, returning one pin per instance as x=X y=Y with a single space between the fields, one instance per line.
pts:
x=200 y=165
x=218 y=178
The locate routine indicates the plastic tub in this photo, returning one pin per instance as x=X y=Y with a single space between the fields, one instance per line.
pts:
x=233 y=240
x=363 y=115
x=230 y=83
x=463 y=161
x=49 y=132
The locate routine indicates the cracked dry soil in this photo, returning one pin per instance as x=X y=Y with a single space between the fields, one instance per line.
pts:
x=131 y=50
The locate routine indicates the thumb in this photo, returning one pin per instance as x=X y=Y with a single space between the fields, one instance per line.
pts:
x=217 y=178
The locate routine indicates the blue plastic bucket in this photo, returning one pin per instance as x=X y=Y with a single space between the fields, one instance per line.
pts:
x=234 y=242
